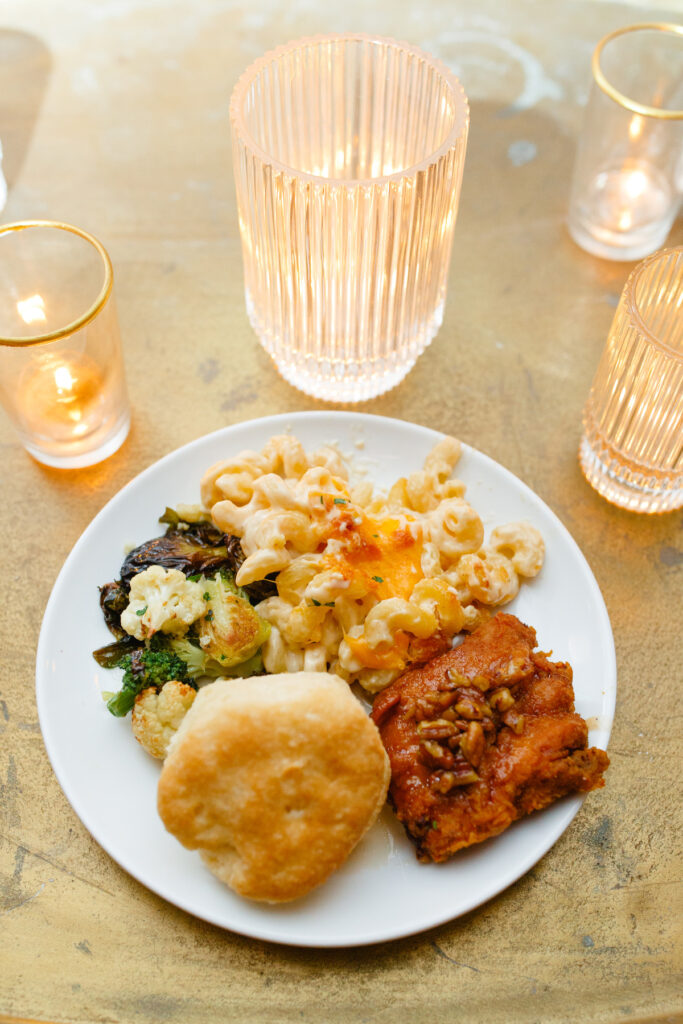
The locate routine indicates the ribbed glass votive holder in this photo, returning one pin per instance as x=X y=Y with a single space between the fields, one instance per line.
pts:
x=632 y=448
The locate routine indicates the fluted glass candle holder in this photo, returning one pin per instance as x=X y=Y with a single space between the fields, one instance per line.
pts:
x=348 y=155
x=632 y=448
x=628 y=173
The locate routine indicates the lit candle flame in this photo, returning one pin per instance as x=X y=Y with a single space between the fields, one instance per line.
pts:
x=635 y=184
x=635 y=127
x=63 y=379
x=625 y=220
x=32 y=309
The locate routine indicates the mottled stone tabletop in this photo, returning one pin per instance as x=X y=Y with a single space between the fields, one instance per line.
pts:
x=113 y=116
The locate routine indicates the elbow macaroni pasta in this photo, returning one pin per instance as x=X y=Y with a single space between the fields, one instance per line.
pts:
x=367 y=583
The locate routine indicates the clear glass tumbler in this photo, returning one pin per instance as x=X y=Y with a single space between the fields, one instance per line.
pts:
x=628 y=173
x=348 y=154
x=632 y=448
x=61 y=371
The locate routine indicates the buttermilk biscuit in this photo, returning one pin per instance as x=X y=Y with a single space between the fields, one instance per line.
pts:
x=274 y=779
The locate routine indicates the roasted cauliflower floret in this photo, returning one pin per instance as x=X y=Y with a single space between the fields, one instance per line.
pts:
x=161 y=599
x=158 y=713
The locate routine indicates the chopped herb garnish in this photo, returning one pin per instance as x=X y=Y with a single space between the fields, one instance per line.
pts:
x=329 y=604
x=340 y=501
x=207 y=596
x=141 y=611
x=321 y=500
x=435 y=824
x=195 y=577
x=378 y=579
x=316 y=603
x=375 y=535
x=222 y=657
x=209 y=615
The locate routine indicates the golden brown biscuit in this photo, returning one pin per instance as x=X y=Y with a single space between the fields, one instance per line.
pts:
x=274 y=779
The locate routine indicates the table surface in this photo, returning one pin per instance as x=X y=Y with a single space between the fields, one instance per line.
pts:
x=113 y=116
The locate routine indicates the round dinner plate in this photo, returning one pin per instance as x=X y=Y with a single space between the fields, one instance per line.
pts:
x=382 y=892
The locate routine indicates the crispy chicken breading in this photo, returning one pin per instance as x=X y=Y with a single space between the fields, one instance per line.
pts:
x=482 y=736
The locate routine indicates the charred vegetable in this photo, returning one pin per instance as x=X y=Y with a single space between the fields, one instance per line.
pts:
x=112 y=655
x=113 y=600
x=199 y=663
x=194 y=546
x=231 y=631
x=177 y=550
x=225 y=640
x=142 y=669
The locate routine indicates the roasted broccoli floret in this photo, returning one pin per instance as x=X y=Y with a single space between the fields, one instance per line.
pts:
x=199 y=663
x=144 y=668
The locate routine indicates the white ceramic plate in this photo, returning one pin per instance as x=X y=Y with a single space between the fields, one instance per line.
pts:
x=382 y=892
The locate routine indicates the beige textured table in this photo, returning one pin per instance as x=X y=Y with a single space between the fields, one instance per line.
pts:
x=113 y=115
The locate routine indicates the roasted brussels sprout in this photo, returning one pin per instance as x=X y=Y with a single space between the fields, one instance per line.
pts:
x=113 y=600
x=230 y=631
x=112 y=655
x=176 y=550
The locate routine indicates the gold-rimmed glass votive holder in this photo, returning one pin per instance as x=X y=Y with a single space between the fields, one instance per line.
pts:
x=61 y=371
x=348 y=156
x=628 y=173
x=632 y=447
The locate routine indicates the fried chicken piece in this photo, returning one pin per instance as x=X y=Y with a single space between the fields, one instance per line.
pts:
x=482 y=736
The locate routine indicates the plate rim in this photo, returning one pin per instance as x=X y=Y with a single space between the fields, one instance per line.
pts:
x=503 y=880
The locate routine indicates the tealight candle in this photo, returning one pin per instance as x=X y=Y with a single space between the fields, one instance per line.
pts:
x=61 y=373
x=62 y=396
x=624 y=191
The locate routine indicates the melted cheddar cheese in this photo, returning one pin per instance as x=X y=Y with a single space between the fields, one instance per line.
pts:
x=393 y=657
x=382 y=555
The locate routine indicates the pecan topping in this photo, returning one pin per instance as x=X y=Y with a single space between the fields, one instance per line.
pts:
x=454 y=741
x=430 y=705
x=468 y=708
x=458 y=722
x=443 y=782
x=455 y=679
x=515 y=669
x=514 y=721
x=501 y=699
x=436 y=729
x=473 y=743
x=438 y=755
